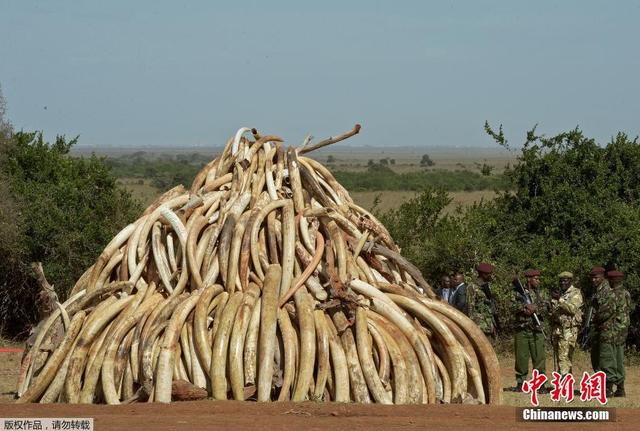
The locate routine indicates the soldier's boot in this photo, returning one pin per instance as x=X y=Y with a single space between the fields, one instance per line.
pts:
x=620 y=391
x=609 y=390
x=518 y=387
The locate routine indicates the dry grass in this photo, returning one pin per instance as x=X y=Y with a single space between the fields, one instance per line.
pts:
x=144 y=192
x=388 y=199
x=409 y=160
x=393 y=199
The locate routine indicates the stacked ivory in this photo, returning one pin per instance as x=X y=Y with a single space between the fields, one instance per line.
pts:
x=263 y=281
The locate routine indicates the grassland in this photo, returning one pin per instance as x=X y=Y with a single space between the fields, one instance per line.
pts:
x=148 y=172
x=141 y=189
x=392 y=199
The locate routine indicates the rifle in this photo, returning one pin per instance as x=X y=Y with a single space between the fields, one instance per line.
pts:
x=492 y=304
x=585 y=331
x=527 y=300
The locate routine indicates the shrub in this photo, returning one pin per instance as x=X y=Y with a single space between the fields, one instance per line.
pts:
x=55 y=209
x=569 y=204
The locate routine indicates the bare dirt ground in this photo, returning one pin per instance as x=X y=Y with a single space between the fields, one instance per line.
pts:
x=234 y=415
x=315 y=416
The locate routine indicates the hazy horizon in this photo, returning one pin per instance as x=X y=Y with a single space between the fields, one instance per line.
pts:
x=162 y=74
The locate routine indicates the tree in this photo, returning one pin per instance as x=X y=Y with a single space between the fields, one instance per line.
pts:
x=435 y=241
x=570 y=204
x=384 y=162
x=486 y=169
x=62 y=212
x=392 y=161
x=573 y=204
x=5 y=127
x=331 y=159
x=426 y=161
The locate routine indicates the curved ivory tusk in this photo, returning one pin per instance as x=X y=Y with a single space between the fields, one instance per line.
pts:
x=220 y=349
x=236 y=139
x=306 y=325
x=48 y=372
x=109 y=250
x=289 y=343
x=400 y=374
x=169 y=340
x=300 y=281
x=266 y=343
x=365 y=354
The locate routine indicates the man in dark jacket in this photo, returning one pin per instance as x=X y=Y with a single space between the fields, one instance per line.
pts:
x=458 y=296
x=444 y=290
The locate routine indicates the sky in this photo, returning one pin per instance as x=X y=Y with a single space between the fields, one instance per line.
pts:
x=168 y=73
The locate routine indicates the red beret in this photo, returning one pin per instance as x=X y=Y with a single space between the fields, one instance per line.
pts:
x=597 y=270
x=615 y=274
x=532 y=273
x=485 y=268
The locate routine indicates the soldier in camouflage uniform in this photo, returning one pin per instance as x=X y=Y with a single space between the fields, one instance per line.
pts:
x=611 y=318
x=480 y=305
x=598 y=282
x=529 y=338
x=566 y=317
x=611 y=329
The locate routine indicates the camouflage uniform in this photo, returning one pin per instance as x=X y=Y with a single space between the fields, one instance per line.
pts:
x=611 y=320
x=593 y=337
x=566 y=317
x=529 y=340
x=480 y=308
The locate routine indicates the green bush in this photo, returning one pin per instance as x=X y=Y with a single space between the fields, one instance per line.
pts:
x=55 y=209
x=569 y=204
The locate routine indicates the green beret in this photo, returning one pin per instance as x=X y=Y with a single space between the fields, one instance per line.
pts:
x=565 y=274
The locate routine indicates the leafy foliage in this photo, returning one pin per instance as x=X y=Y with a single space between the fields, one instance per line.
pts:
x=60 y=210
x=569 y=204
x=426 y=161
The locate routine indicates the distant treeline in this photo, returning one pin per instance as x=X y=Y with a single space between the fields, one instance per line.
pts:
x=169 y=170
x=163 y=172
x=379 y=177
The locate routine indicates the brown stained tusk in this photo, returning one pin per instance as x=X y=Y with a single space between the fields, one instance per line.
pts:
x=307 y=271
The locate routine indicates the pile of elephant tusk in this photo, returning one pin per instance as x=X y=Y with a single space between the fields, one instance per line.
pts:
x=264 y=281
